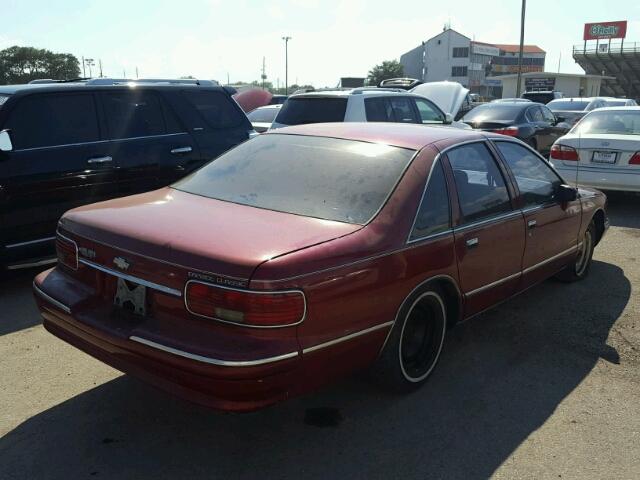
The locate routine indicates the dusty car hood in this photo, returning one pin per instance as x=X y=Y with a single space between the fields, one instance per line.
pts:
x=446 y=95
x=198 y=232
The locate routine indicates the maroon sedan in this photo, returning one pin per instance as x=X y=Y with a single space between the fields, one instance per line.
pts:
x=307 y=254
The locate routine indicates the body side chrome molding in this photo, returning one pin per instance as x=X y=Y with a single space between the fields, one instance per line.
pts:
x=209 y=360
x=33 y=149
x=258 y=292
x=357 y=334
x=486 y=221
x=30 y=242
x=37 y=263
x=50 y=299
x=493 y=284
x=131 y=278
x=550 y=259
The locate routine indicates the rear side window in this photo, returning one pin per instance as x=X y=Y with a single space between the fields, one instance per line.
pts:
x=133 y=114
x=403 y=110
x=433 y=214
x=216 y=109
x=482 y=191
x=378 y=110
x=300 y=111
x=390 y=109
x=50 y=120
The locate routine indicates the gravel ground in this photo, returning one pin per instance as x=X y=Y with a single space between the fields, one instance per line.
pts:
x=546 y=385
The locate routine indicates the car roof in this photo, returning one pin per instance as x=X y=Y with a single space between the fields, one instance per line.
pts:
x=632 y=108
x=412 y=136
x=80 y=86
x=356 y=91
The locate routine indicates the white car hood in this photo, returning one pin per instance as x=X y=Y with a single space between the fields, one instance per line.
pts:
x=446 y=95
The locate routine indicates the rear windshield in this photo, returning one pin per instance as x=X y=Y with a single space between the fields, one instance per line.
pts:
x=263 y=115
x=298 y=111
x=565 y=105
x=538 y=97
x=495 y=112
x=618 y=122
x=332 y=179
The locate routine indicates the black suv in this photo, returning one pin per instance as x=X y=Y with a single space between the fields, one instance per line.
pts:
x=66 y=145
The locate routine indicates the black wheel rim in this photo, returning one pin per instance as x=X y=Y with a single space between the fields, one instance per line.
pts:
x=421 y=340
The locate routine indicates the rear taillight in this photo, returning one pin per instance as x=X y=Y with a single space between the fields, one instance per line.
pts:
x=563 y=152
x=251 y=308
x=635 y=160
x=67 y=251
x=510 y=131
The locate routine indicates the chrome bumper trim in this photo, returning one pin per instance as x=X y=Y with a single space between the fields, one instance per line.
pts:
x=131 y=278
x=346 y=337
x=51 y=300
x=209 y=360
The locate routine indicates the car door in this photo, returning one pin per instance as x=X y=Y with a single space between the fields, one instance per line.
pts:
x=542 y=128
x=555 y=131
x=140 y=144
x=489 y=232
x=552 y=227
x=58 y=162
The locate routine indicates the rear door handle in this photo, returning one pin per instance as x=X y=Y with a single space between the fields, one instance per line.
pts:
x=532 y=223
x=181 y=150
x=472 y=242
x=106 y=159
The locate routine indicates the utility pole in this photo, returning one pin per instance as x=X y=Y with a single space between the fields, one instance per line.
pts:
x=286 y=64
x=559 y=60
x=228 y=81
x=90 y=63
x=84 y=74
x=518 y=87
x=264 y=73
x=136 y=72
x=100 y=63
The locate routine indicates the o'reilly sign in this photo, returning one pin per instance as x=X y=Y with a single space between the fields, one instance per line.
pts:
x=605 y=30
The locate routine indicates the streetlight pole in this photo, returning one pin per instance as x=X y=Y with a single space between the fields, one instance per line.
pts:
x=286 y=64
x=518 y=88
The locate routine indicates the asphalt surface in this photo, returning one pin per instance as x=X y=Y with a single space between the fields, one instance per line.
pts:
x=546 y=385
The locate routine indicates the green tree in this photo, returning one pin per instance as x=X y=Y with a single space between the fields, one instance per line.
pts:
x=23 y=64
x=387 y=69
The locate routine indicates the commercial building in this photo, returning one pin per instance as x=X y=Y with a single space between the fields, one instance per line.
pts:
x=619 y=60
x=453 y=56
x=570 y=84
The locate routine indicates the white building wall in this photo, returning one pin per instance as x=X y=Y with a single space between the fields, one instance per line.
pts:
x=439 y=58
x=569 y=86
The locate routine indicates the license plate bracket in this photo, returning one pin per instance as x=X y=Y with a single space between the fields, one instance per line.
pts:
x=600 y=156
x=131 y=296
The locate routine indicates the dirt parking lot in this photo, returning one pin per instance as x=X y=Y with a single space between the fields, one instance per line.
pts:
x=544 y=386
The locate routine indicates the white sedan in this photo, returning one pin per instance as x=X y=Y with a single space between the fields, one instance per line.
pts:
x=602 y=150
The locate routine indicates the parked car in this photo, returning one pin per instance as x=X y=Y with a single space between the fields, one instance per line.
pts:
x=500 y=100
x=326 y=249
x=69 y=144
x=543 y=97
x=533 y=123
x=361 y=105
x=451 y=97
x=573 y=109
x=278 y=99
x=602 y=150
x=619 y=102
x=262 y=117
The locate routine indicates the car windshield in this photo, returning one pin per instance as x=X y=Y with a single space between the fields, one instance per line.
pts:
x=299 y=111
x=3 y=98
x=495 y=112
x=620 y=122
x=557 y=105
x=616 y=103
x=327 y=178
x=263 y=115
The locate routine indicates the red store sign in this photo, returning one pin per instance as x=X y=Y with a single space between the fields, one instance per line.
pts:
x=606 y=30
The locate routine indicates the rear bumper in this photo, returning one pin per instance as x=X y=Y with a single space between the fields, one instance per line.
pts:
x=210 y=380
x=604 y=178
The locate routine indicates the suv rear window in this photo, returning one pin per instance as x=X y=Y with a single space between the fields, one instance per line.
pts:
x=332 y=179
x=53 y=119
x=299 y=111
x=216 y=109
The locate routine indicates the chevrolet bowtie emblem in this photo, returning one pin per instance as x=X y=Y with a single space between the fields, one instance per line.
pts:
x=121 y=263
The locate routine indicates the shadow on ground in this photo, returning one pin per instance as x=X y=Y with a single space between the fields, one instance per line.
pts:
x=501 y=376
x=624 y=209
x=15 y=293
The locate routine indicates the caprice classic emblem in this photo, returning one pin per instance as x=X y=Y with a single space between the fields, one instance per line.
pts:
x=121 y=263
x=87 y=252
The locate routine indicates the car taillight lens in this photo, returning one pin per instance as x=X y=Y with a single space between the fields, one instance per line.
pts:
x=635 y=160
x=67 y=251
x=562 y=152
x=511 y=131
x=257 y=309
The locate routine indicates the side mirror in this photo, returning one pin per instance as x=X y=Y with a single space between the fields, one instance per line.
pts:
x=448 y=119
x=5 y=141
x=566 y=193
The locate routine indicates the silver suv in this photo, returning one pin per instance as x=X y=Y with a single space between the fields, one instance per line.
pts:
x=362 y=105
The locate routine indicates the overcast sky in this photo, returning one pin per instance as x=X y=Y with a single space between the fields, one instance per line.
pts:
x=212 y=38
